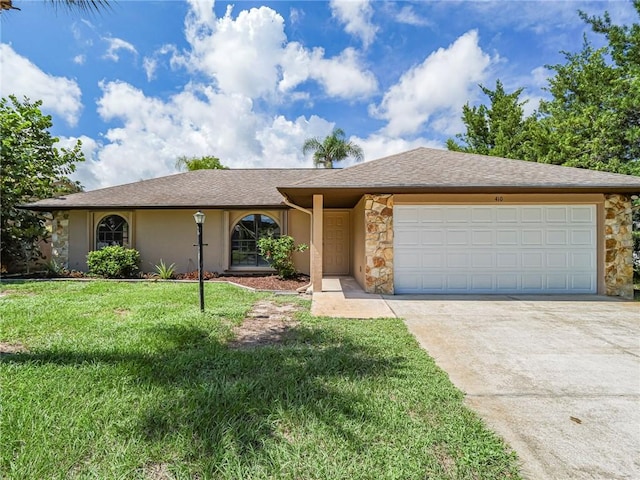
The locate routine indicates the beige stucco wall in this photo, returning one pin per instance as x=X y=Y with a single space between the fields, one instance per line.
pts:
x=170 y=235
x=299 y=227
x=357 y=242
x=78 y=239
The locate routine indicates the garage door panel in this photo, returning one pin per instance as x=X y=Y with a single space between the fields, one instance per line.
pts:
x=582 y=260
x=432 y=237
x=457 y=237
x=406 y=215
x=532 y=214
x=483 y=260
x=431 y=215
x=533 y=260
x=582 y=237
x=582 y=214
x=532 y=237
x=482 y=215
x=501 y=249
x=507 y=260
x=507 y=237
x=557 y=237
x=482 y=237
x=457 y=260
x=457 y=215
x=482 y=282
x=507 y=215
x=557 y=260
x=431 y=260
x=407 y=237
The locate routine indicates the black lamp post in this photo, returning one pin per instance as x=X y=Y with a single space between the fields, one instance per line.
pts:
x=199 y=218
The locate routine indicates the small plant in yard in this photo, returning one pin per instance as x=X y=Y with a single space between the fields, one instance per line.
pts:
x=55 y=269
x=278 y=252
x=114 y=262
x=165 y=272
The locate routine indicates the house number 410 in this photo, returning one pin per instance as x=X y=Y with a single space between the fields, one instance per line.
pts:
x=499 y=199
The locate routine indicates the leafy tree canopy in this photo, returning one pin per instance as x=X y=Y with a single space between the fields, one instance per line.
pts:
x=499 y=129
x=333 y=148
x=592 y=119
x=199 y=163
x=32 y=168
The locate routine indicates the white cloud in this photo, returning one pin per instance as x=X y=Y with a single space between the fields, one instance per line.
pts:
x=356 y=16
x=241 y=54
x=342 y=76
x=79 y=59
x=116 y=45
x=250 y=56
x=150 y=66
x=20 y=77
x=198 y=121
x=410 y=17
x=439 y=85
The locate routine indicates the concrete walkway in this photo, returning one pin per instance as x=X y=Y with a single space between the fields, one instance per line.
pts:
x=342 y=297
x=557 y=377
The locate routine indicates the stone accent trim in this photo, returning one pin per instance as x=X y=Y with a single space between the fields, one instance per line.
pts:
x=60 y=238
x=378 y=218
x=618 y=264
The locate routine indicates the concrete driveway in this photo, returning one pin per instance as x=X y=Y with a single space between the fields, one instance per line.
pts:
x=557 y=377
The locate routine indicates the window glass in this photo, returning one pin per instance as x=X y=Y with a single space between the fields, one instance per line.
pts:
x=244 y=240
x=112 y=230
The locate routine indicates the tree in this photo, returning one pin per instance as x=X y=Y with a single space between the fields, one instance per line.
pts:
x=32 y=168
x=333 y=148
x=199 y=163
x=500 y=129
x=593 y=119
x=80 y=5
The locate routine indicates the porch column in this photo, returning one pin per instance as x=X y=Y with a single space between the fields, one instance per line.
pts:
x=316 y=244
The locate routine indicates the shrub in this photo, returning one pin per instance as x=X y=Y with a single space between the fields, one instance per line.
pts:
x=165 y=271
x=54 y=269
x=114 y=262
x=278 y=252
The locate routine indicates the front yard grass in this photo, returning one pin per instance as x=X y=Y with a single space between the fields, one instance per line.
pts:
x=130 y=381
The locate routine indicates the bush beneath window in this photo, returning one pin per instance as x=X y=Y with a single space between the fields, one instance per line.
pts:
x=114 y=262
x=278 y=252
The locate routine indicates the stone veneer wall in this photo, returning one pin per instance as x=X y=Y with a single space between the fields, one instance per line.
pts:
x=378 y=218
x=60 y=238
x=618 y=264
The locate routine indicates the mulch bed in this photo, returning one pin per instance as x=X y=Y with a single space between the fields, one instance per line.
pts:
x=271 y=282
x=264 y=282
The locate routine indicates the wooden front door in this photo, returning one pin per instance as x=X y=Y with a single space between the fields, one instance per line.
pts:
x=335 y=251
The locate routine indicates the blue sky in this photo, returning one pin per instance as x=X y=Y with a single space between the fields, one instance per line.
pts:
x=148 y=81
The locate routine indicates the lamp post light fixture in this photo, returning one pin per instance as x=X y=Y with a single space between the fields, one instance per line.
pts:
x=199 y=218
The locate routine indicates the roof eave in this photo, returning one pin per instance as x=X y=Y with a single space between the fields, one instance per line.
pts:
x=52 y=208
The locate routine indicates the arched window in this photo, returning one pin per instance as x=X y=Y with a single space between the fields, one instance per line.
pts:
x=244 y=238
x=112 y=230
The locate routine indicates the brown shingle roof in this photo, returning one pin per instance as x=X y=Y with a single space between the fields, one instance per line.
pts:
x=426 y=170
x=197 y=189
x=419 y=170
x=431 y=168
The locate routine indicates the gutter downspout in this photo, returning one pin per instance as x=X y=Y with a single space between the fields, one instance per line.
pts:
x=287 y=202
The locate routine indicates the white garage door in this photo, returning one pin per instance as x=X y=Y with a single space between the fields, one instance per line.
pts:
x=495 y=249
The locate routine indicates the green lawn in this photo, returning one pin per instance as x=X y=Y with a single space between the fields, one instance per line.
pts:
x=130 y=381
